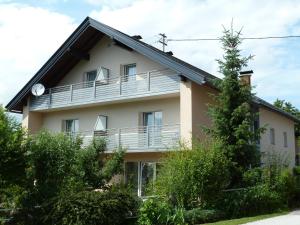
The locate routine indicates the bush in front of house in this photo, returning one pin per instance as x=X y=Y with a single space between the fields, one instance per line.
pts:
x=156 y=210
x=110 y=206
x=199 y=216
x=192 y=178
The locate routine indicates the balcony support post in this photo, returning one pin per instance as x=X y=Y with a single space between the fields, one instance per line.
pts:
x=148 y=80
x=147 y=137
x=94 y=91
x=120 y=85
x=119 y=136
x=71 y=92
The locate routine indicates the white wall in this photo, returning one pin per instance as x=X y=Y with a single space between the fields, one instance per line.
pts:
x=119 y=115
x=110 y=56
x=280 y=124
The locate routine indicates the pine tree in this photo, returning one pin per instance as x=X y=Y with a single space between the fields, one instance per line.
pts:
x=233 y=114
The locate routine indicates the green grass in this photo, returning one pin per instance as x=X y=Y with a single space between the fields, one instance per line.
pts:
x=247 y=219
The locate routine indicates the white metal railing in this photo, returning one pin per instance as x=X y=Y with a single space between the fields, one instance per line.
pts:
x=136 y=138
x=114 y=88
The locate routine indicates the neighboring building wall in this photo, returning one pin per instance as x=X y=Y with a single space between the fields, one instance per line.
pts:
x=119 y=115
x=280 y=124
x=110 y=56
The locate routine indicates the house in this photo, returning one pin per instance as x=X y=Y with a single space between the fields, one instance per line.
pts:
x=102 y=82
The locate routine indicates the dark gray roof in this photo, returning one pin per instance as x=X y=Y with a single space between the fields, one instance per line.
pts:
x=86 y=36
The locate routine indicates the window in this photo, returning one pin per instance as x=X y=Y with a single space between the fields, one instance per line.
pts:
x=285 y=141
x=141 y=175
x=103 y=75
x=71 y=127
x=101 y=123
x=100 y=126
x=272 y=136
x=91 y=76
x=129 y=72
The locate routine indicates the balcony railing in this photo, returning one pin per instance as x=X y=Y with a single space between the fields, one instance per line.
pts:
x=143 y=138
x=114 y=88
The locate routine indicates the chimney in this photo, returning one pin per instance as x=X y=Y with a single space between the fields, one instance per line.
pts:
x=245 y=77
x=137 y=37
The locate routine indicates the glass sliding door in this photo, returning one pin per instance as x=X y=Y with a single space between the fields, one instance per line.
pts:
x=147 y=178
x=140 y=176
x=153 y=124
x=132 y=175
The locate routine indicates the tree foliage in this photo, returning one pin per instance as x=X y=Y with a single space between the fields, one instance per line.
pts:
x=12 y=152
x=188 y=177
x=288 y=107
x=233 y=114
x=97 y=168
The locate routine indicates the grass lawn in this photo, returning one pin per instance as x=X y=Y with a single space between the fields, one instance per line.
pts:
x=247 y=219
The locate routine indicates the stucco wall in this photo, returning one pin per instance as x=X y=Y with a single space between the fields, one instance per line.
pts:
x=119 y=115
x=201 y=97
x=280 y=124
x=110 y=56
x=31 y=121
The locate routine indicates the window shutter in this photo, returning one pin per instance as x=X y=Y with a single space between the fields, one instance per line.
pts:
x=63 y=126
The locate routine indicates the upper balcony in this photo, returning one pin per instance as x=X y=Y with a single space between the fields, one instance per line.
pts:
x=115 y=88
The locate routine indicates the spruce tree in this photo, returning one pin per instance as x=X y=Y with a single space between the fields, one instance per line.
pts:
x=233 y=114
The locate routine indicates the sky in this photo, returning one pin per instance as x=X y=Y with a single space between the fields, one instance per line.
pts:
x=31 y=31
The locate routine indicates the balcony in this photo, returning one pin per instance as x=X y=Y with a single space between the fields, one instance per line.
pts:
x=136 y=139
x=152 y=83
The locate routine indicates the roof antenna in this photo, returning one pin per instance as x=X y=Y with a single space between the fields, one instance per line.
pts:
x=163 y=40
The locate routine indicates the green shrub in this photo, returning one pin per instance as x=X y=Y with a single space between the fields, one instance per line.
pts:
x=94 y=208
x=156 y=210
x=188 y=177
x=296 y=170
x=250 y=201
x=199 y=216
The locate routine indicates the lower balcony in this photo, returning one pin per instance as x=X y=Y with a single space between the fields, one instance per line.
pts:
x=114 y=88
x=137 y=139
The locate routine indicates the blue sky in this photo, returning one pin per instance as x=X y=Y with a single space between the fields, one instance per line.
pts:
x=30 y=31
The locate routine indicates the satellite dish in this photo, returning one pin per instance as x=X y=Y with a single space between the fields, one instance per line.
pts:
x=38 y=89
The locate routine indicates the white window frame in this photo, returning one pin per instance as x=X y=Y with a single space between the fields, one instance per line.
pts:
x=97 y=121
x=87 y=73
x=139 y=175
x=105 y=78
x=128 y=77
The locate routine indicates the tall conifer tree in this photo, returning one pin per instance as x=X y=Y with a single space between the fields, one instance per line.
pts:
x=233 y=114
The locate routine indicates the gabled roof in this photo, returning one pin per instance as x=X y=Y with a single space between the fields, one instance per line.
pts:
x=85 y=37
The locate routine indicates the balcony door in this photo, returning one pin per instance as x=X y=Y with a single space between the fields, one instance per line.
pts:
x=71 y=127
x=152 y=122
x=129 y=72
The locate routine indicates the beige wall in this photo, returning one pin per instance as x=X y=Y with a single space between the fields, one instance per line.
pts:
x=201 y=97
x=110 y=56
x=32 y=121
x=186 y=112
x=280 y=124
x=194 y=100
x=119 y=115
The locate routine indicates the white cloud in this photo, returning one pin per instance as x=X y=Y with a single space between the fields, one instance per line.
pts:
x=110 y=3
x=29 y=35
x=201 y=19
